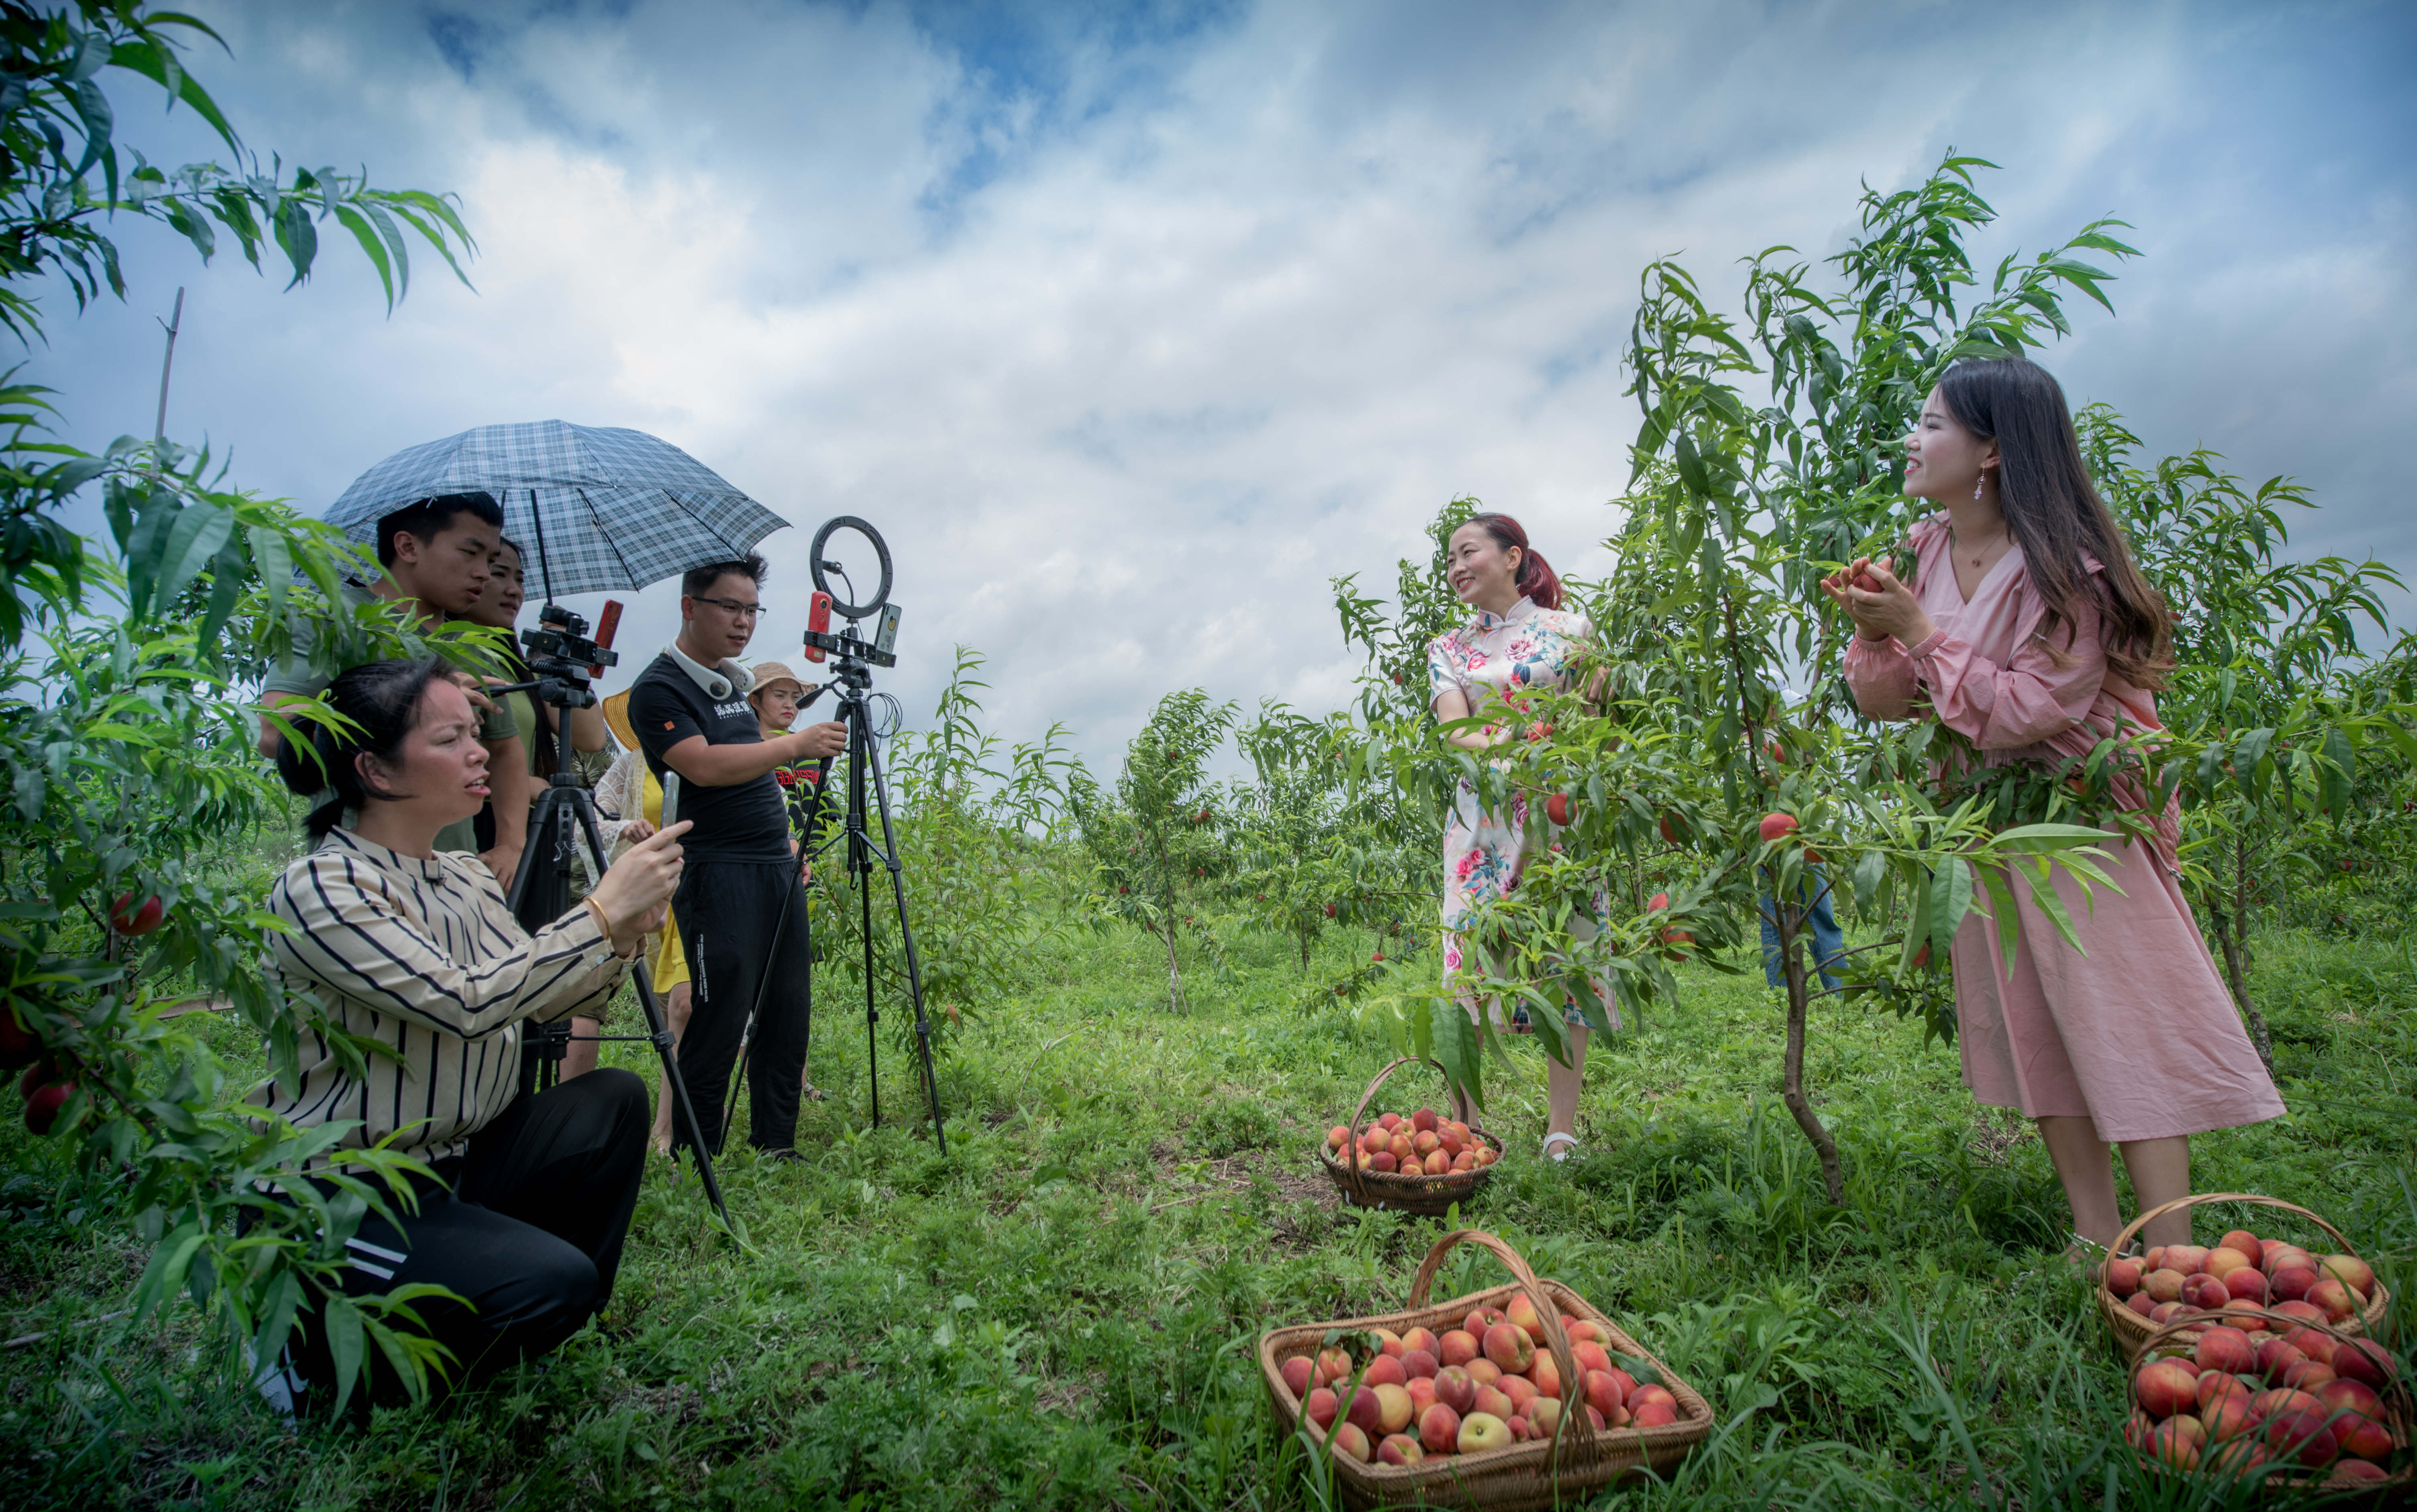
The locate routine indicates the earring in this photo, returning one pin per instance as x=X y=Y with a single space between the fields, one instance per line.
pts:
x=1978 y=483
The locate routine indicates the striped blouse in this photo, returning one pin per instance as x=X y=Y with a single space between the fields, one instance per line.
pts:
x=424 y=957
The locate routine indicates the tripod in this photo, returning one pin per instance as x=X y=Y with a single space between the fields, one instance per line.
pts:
x=540 y=893
x=853 y=678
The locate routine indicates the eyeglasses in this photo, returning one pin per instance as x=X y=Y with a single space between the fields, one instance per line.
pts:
x=734 y=608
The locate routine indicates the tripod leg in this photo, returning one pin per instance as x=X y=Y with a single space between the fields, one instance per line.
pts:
x=907 y=936
x=872 y=1014
x=657 y=1028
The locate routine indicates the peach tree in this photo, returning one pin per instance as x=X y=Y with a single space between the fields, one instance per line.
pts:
x=125 y=728
x=1315 y=847
x=1709 y=742
x=2267 y=708
x=1156 y=849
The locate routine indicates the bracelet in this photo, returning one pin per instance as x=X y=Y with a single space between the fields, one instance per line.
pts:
x=603 y=925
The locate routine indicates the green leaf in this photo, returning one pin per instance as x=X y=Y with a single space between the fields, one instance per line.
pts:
x=1951 y=898
x=343 y=1321
x=199 y=531
x=2338 y=777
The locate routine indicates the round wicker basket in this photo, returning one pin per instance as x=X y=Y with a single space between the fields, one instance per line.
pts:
x=1394 y=1191
x=2133 y=1331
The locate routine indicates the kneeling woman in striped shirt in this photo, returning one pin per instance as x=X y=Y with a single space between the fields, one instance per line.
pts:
x=413 y=948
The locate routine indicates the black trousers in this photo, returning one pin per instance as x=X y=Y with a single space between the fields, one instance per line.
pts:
x=530 y=1232
x=728 y=912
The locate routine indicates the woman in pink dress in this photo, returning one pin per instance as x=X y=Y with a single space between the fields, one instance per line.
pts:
x=2029 y=631
x=1521 y=637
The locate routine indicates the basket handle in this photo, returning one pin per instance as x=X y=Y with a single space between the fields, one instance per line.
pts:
x=1575 y=1437
x=2132 y=1229
x=1351 y=1156
x=2281 y=1324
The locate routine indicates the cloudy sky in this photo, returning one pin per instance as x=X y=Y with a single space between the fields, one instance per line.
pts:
x=1131 y=325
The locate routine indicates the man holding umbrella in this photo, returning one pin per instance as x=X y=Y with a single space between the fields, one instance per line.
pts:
x=437 y=552
x=742 y=905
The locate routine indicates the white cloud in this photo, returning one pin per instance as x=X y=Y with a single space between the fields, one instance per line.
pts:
x=1133 y=337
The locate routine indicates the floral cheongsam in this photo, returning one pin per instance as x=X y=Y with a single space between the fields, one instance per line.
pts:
x=1482 y=854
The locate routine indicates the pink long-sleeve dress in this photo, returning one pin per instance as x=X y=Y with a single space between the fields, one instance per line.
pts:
x=2136 y=1031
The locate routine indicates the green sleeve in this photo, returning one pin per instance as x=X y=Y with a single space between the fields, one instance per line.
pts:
x=294 y=675
x=499 y=723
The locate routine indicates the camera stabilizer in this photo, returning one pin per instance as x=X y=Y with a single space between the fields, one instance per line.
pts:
x=563 y=659
x=868 y=790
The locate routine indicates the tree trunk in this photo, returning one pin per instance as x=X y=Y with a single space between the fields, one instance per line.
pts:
x=1791 y=962
x=1174 y=973
x=2227 y=935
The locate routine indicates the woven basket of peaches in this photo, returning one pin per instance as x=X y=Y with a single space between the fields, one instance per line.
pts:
x=1523 y=1396
x=2242 y=1273
x=1417 y=1163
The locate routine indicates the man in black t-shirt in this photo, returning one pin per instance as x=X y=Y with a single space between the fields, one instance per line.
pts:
x=689 y=712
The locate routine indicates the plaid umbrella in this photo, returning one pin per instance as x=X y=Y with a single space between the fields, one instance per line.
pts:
x=614 y=509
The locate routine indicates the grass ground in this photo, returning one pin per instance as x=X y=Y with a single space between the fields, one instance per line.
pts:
x=1062 y=1311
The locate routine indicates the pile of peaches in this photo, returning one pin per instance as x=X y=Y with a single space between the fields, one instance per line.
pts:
x=1486 y=1384
x=1412 y=1144
x=2249 y=1392
x=2242 y=1272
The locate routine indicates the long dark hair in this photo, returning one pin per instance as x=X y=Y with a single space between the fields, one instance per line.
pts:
x=382 y=699
x=1537 y=579
x=2054 y=513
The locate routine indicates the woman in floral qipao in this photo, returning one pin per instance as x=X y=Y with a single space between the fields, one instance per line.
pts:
x=1522 y=638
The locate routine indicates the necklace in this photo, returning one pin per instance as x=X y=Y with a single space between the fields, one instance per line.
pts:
x=1979 y=552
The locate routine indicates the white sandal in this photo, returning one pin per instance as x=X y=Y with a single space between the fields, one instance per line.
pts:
x=1572 y=1141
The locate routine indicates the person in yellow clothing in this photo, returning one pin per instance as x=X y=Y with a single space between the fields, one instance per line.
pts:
x=623 y=822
